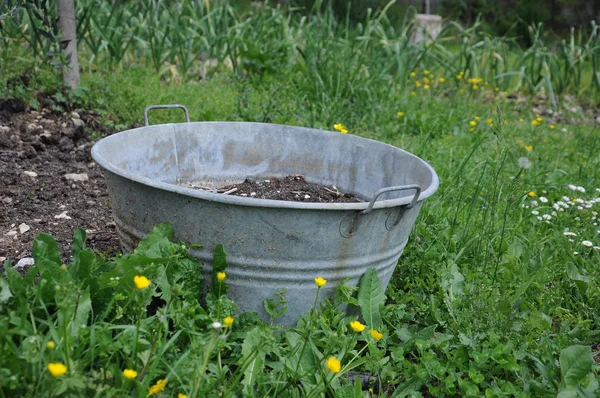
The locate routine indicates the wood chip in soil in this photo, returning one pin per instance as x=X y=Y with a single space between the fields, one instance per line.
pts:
x=291 y=188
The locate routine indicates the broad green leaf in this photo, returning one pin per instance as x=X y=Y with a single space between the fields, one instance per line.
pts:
x=253 y=356
x=452 y=281
x=78 y=241
x=82 y=312
x=219 y=259
x=576 y=363
x=5 y=292
x=156 y=242
x=301 y=358
x=46 y=252
x=371 y=298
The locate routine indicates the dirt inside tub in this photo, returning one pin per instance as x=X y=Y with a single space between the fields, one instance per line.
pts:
x=293 y=188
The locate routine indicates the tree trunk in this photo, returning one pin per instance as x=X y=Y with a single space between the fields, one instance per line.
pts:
x=65 y=9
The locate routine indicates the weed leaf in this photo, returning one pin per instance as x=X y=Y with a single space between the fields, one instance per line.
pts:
x=370 y=298
x=575 y=364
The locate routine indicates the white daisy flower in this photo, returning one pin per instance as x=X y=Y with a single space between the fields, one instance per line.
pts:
x=581 y=189
x=543 y=199
x=569 y=233
x=575 y=253
x=539 y=218
x=534 y=203
x=597 y=247
x=535 y=212
x=587 y=243
x=216 y=325
x=566 y=198
x=579 y=200
x=579 y=208
x=547 y=217
x=572 y=187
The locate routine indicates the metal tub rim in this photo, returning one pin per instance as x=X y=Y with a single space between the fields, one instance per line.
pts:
x=257 y=202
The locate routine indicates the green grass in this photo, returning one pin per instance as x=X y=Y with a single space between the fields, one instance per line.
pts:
x=487 y=300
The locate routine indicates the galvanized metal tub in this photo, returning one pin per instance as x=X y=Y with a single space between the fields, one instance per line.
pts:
x=271 y=245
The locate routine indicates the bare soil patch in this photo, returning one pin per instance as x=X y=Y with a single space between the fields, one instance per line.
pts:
x=37 y=150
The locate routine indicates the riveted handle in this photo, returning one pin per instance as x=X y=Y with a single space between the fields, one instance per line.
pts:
x=187 y=114
x=416 y=187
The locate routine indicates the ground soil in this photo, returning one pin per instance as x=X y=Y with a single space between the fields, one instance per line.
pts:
x=291 y=188
x=50 y=144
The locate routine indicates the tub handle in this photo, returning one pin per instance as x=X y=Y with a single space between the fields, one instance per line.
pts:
x=148 y=108
x=349 y=226
x=416 y=187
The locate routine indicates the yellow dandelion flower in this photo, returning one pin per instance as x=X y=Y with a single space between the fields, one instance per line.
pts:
x=357 y=326
x=426 y=80
x=417 y=83
x=50 y=344
x=180 y=395
x=334 y=365
x=320 y=282
x=475 y=87
x=376 y=335
x=535 y=122
x=221 y=276
x=496 y=89
x=477 y=118
x=141 y=282
x=472 y=123
x=426 y=72
x=228 y=321
x=521 y=121
x=532 y=194
x=529 y=148
x=552 y=126
x=158 y=387
x=459 y=77
x=400 y=114
x=426 y=87
x=130 y=374
x=57 y=369
x=490 y=121
x=539 y=119
x=413 y=74
x=441 y=80
x=341 y=128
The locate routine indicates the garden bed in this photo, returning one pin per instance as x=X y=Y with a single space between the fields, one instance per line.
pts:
x=49 y=181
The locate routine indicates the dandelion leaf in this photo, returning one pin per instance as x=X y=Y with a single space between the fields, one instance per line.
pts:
x=576 y=363
x=254 y=349
x=158 y=242
x=371 y=298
